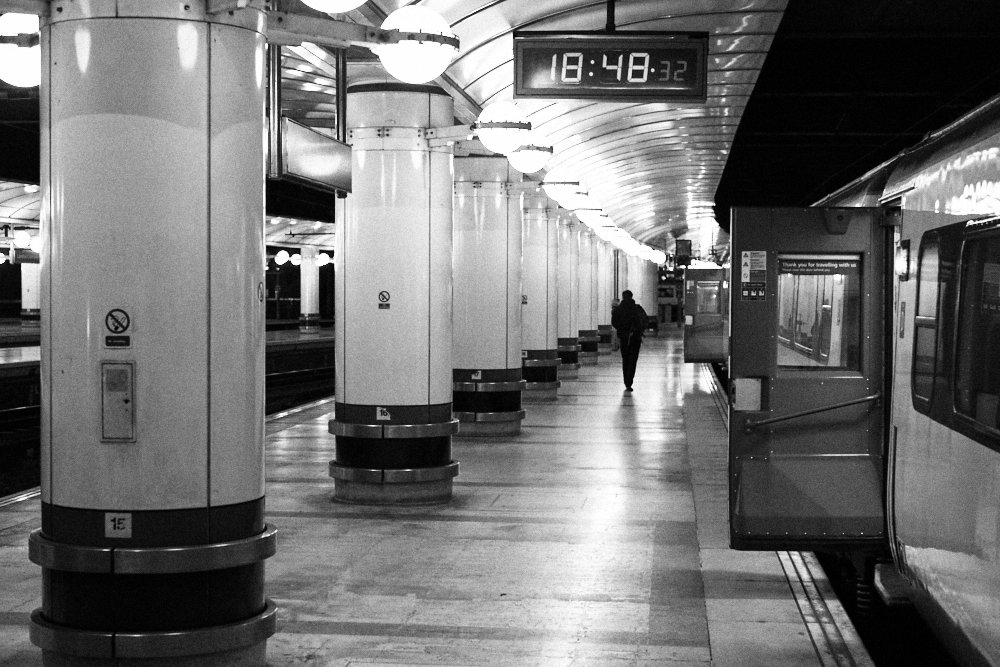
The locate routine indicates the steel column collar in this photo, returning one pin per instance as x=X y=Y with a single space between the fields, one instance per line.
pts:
x=252 y=16
x=149 y=645
x=517 y=385
x=153 y=560
x=398 y=476
x=511 y=416
x=535 y=363
x=394 y=430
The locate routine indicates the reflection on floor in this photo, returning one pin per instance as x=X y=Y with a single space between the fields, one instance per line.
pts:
x=598 y=536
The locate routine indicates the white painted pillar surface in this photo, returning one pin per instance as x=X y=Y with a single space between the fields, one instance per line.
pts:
x=31 y=295
x=309 y=289
x=152 y=338
x=649 y=292
x=567 y=331
x=540 y=353
x=486 y=347
x=642 y=279
x=604 y=295
x=586 y=298
x=394 y=423
x=622 y=274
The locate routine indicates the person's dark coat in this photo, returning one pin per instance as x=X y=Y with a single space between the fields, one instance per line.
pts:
x=629 y=320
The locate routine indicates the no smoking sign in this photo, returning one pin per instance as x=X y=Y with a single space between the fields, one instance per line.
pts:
x=117 y=321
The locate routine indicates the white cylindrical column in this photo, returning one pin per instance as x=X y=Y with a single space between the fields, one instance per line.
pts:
x=152 y=356
x=566 y=327
x=540 y=353
x=604 y=296
x=393 y=302
x=585 y=305
x=486 y=348
x=621 y=261
x=309 y=289
x=31 y=295
x=642 y=278
x=649 y=292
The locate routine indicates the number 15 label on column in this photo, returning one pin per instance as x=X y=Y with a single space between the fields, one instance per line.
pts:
x=118 y=525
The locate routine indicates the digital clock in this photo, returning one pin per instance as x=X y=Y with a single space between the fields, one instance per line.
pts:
x=620 y=66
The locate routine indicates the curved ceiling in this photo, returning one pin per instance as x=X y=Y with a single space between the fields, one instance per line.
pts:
x=845 y=86
x=652 y=167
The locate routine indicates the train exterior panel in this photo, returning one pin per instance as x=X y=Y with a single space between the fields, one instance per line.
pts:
x=943 y=494
x=947 y=480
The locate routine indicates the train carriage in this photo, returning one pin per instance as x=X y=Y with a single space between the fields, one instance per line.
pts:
x=932 y=215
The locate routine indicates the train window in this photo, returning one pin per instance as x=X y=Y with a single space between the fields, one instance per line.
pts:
x=925 y=320
x=819 y=311
x=708 y=296
x=977 y=368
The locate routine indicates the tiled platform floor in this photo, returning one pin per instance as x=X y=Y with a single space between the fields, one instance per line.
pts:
x=596 y=537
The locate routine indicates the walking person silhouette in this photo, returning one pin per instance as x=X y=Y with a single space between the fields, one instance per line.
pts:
x=629 y=320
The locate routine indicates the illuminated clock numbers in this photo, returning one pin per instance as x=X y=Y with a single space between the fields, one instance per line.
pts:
x=619 y=67
x=616 y=68
x=638 y=67
x=673 y=70
x=637 y=70
x=572 y=68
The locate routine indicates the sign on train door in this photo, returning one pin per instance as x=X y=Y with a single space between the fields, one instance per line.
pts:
x=806 y=369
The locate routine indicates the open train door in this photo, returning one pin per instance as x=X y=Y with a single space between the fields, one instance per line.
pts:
x=705 y=315
x=806 y=368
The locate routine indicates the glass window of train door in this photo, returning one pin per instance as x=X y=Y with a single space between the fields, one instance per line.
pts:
x=977 y=367
x=708 y=296
x=925 y=318
x=819 y=311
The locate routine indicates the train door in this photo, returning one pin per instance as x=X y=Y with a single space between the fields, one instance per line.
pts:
x=806 y=368
x=704 y=315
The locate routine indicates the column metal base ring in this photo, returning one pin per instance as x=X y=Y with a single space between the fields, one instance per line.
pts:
x=151 y=560
x=412 y=486
x=491 y=423
x=230 y=644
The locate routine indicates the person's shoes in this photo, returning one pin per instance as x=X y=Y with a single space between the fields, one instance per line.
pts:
x=628 y=388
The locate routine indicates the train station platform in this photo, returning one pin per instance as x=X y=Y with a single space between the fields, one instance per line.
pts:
x=598 y=536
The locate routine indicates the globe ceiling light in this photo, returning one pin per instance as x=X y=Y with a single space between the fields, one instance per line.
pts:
x=502 y=127
x=3 y=258
x=427 y=48
x=281 y=257
x=333 y=6
x=296 y=259
x=20 y=66
x=323 y=259
x=532 y=155
x=22 y=239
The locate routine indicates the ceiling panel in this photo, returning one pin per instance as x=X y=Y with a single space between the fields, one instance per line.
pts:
x=652 y=167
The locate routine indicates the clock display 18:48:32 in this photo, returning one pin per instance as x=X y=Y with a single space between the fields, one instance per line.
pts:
x=617 y=67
